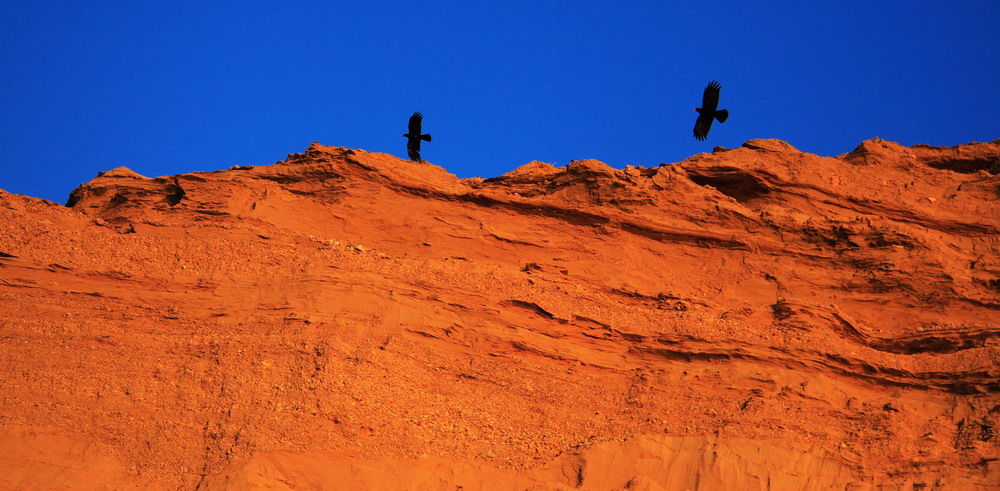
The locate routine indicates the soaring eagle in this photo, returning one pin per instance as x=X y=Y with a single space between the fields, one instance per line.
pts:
x=707 y=112
x=413 y=137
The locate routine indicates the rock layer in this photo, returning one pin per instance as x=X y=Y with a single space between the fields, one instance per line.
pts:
x=756 y=317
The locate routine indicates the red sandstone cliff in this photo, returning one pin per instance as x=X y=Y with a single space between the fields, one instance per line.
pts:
x=755 y=317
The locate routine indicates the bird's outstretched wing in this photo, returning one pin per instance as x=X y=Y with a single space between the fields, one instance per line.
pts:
x=710 y=100
x=413 y=148
x=417 y=119
x=702 y=125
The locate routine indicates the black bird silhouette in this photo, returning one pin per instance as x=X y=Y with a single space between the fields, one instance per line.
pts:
x=707 y=111
x=413 y=137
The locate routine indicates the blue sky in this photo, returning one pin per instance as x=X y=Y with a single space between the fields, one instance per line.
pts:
x=174 y=87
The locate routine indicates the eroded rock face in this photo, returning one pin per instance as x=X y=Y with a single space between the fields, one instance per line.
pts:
x=804 y=320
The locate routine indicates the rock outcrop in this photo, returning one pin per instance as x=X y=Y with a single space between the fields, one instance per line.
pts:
x=754 y=317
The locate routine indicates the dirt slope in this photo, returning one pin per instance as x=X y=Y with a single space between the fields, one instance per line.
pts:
x=755 y=317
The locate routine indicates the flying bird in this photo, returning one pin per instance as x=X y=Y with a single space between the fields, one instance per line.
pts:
x=707 y=111
x=413 y=137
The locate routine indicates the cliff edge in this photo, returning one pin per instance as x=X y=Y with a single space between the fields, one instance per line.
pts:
x=754 y=317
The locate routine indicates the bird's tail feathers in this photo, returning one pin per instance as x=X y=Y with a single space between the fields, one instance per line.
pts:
x=426 y=137
x=722 y=115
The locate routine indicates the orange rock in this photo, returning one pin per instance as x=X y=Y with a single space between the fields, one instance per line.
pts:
x=749 y=316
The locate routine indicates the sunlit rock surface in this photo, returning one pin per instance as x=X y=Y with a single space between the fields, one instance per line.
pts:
x=755 y=317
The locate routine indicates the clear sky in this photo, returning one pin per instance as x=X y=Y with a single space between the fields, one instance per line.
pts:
x=181 y=86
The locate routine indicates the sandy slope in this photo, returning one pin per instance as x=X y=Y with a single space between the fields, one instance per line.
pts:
x=756 y=317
